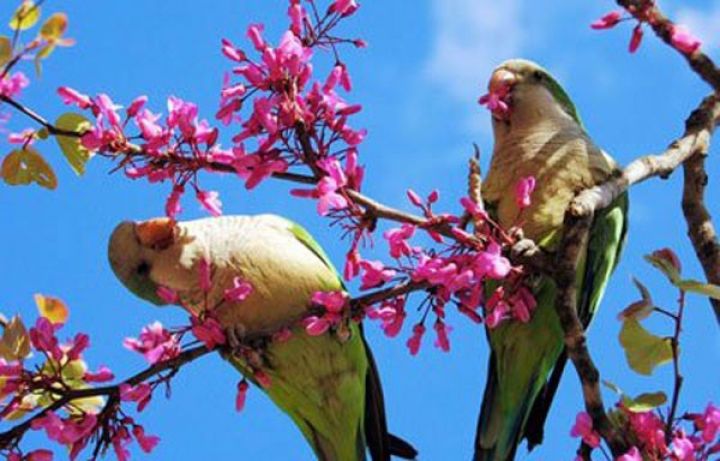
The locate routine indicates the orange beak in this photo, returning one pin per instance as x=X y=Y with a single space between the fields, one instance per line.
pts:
x=158 y=233
x=501 y=82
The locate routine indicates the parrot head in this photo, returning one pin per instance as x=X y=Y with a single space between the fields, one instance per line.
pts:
x=522 y=91
x=135 y=248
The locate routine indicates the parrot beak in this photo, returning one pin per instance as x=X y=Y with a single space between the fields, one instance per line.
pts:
x=497 y=100
x=158 y=233
x=501 y=82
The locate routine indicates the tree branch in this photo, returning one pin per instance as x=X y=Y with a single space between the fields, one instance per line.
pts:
x=7 y=438
x=578 y=219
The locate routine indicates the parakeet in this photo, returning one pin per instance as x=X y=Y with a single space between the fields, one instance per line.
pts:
x=538 y=133
x=329 y=387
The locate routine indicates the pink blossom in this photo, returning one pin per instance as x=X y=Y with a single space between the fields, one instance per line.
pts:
x=442 y=341
x=39 y=455
x=70 y=96
x=352 y=264
x=476 y=210
x=392 y=314
x=119 y=442
x=42 y=337
x=103 y=375
x=172 y=205
x=683 y=448
x=239 y=291
x=205 y=274
x=241 y=397
x=413 y=343
x=147 y=442
x=79 y=344
x=210 y=200
x=649 y=429
x=374 y=274
x=344 y=7
x=583 y=427
x=316 y=326
x=523 y=304
x=397 y=238
x=683 y=40
x=609 y=20
x=254 y=33
x=632 y=455
x=490 y=263
x=168 y=295
x=65 y=431
x=136 y=105
x=333 y=301
x=26 y=137
x=108 y=109
x=708 y=423
x=326 y=189
x=142 y=393
x=12 y=85
x=496 y=101
x=262 y=378
x=523 y=189
x=208 y=331
x=155 y=343
x=297 y=14
x=636 y=38
x=231 y=52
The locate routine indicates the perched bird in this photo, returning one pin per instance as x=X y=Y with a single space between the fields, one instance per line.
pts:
x=538 y=133
x=328 y=386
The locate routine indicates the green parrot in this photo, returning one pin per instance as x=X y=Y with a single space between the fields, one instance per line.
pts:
x=538 y=133
x=328 y=386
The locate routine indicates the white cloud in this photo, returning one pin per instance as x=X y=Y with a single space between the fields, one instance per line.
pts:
x=703 y=23
x=471 y=37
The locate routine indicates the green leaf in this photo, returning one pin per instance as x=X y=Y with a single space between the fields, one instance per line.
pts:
x=26 y=16
x=707 y=289
x=665 y=266
x=22 y=167
x=75 y=153
x=645 y=402
x=612 y=386
x=5 y=50
x=643 y=350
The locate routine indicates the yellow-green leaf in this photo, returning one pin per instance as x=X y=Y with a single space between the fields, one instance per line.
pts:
x=75 y=153
x=645 y=402
x=643 y=350
x=5 y=50
x=612 y=386
x=15 y=341
x=26 y=16
x=639 y=309
x=664 y=265
x=707 y=289
x=54 y=27
x=52 y=308
x=21 y=167
x=42 y=133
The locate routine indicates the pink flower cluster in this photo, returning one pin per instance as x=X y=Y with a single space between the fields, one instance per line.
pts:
x=334 y=304
x=647 y=431
x=291 y=119
x=155 y=343
x=457 y=274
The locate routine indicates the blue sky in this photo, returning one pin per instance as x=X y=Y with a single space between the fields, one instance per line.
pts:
x=427 y=63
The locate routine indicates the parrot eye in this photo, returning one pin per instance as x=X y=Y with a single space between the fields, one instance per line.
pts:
x=537 y=75
x=143 y=269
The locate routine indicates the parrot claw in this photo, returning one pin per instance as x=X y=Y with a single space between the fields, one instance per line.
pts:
x=527 y=252
x=235 y=335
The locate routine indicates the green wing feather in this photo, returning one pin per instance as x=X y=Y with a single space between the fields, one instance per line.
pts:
x=517 y=397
